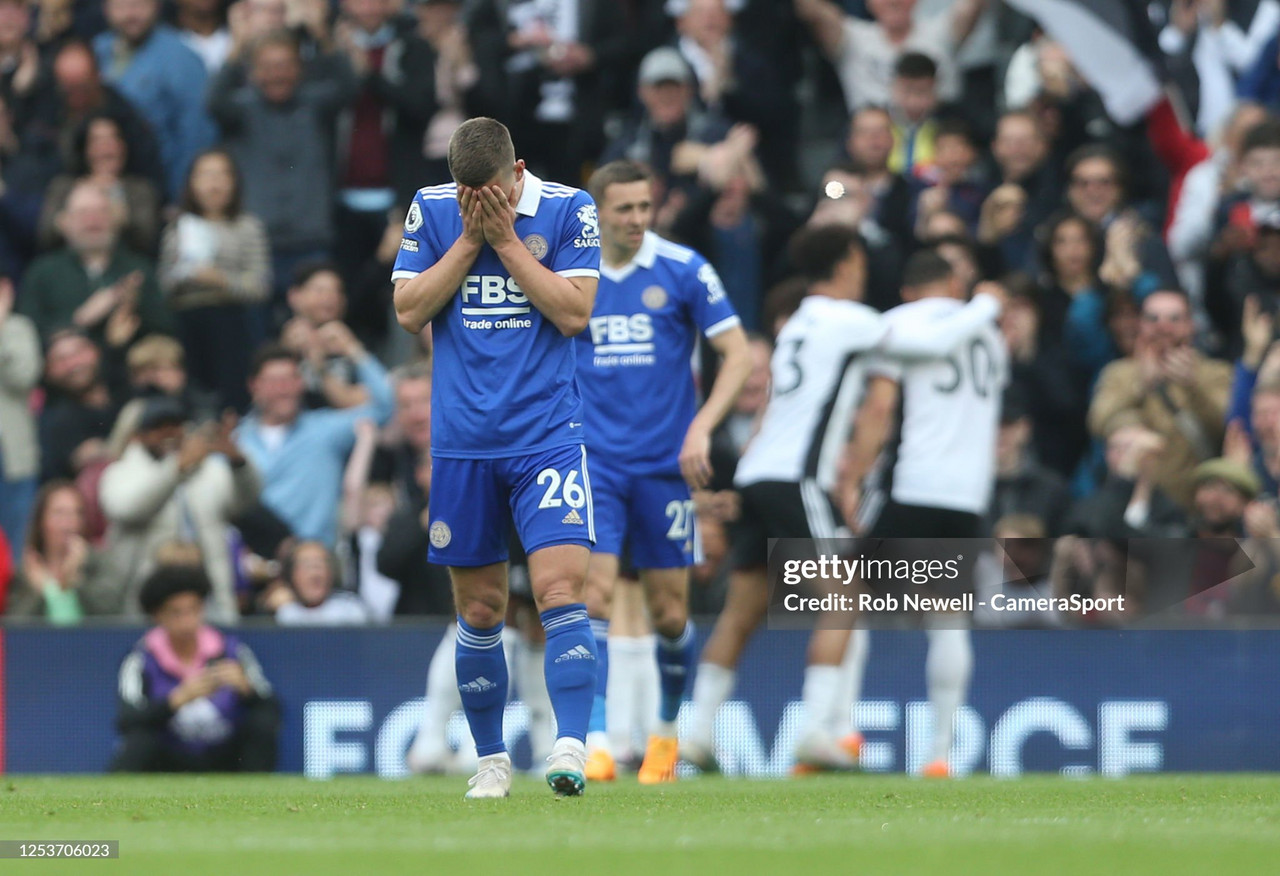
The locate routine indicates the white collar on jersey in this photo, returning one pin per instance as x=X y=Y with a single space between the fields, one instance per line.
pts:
x=530 y=195
x=645 y=256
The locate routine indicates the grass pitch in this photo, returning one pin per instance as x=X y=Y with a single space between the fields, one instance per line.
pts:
x=232 y=826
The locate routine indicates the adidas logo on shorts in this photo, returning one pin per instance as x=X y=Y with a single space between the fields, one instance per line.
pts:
x=480 y=685
x=577 y=652
x=573 y=517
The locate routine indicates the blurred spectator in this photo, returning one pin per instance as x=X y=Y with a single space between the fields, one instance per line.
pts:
x=424 y=586
x=669 y=124
x=1130 y=503
x=19 y=55
x=1024 y=486
x=192 y=698
x=94 y=282
x=741 y=81
x=215 y=272
x=175 y=484
x=1097 y=186
x=846 y=198
x=102 y=155
x=301 y=453
x=79 y=93
x=1073 y=298
x=1024 y=557
x=149 y=63
x=467 y=80
x=380 y=143
x=317 y=298
x=397 y=463
x=367 y=507
x=277 y=121
x=1171 y=389
x=59 y=570
x=1040 y=374
x=202 y=27
x=864 y=52
x=1030 y=190
x=870 y=145
x=311 y=575
x=20 y=366
x=80 y=409
x=955 y=182
x=1252 y=273
x=26 y=165
x=913 y=108
x=564 y=55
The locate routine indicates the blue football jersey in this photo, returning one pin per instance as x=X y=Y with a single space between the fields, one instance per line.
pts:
x=635 y=359
x=503 y=375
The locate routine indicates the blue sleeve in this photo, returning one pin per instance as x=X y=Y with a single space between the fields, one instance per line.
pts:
x=1255 y=84
x=706 y=299
x=577 y=253
x=1241 y=404
x=418 y=249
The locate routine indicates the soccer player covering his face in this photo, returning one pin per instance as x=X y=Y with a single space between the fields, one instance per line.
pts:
x=504 y=266
x=649 y=442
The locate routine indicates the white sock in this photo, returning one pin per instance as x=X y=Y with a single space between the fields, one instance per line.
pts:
x=632 y=671
x=648 y=689
x=532 y=684
x=852 y=669
x=713 y=685
x=947 y=670
x=442 y=700
x=821 y=684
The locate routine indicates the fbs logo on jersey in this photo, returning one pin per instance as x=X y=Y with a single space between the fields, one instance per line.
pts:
x=440 y=534
x=413 y=221
x=590 y=233
x=480 y=685
x=537 y=246
x=573 y=517
x=577 y=652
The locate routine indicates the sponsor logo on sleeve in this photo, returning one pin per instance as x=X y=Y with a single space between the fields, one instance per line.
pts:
x=408 y=245
x=589 y=234
x=715 y=288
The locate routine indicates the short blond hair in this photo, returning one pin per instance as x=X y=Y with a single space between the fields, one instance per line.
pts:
x=155 y=351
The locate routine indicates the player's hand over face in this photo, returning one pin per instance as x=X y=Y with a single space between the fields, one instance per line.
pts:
x=695 y=457
x=498 y=217
x=470 y=209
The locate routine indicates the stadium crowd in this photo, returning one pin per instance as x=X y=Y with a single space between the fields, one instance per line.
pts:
x=200 y=204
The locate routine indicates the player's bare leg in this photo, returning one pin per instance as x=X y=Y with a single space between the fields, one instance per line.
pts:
x=602 y=570
x=557 y=576
x=667 y=592
x=480 y=595
x=633 y=673
x=744 y=610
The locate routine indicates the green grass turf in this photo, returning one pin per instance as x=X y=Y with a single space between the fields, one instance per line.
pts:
x=233 y=826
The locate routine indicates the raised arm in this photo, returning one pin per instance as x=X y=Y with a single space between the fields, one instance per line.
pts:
x=566 y=301
x=419 y=298
x=825 y=21
x=964 y=18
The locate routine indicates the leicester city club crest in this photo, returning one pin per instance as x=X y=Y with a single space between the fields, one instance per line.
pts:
x=537 y=246
x=654 y=297
x=440 y=534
